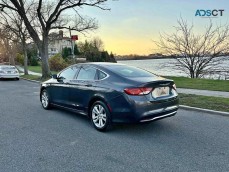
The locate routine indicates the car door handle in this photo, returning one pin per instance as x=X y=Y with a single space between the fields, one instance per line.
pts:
x=88 y=85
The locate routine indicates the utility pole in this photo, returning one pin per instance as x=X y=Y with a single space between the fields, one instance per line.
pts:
x=72 y=43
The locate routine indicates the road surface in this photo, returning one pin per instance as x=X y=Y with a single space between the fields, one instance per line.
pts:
x=34 y=139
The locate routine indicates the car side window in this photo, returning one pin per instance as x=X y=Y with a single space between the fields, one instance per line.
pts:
x=87 y=73
x=69 y=73
x=101 y=75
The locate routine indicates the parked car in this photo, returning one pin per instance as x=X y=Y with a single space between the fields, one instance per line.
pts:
x=7 y=72
x=111 y=93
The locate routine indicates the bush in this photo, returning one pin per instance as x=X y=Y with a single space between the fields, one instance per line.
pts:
x=20 y=59
x=33 y=61
x=57 y=63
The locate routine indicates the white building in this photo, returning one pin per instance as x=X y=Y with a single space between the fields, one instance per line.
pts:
x=58 y=42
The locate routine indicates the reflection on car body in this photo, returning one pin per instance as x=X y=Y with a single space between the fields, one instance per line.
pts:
x=111 y=93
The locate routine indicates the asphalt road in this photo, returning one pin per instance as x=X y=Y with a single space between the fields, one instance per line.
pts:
x=33 y=139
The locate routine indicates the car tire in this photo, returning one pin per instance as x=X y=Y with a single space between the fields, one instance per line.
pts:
x=100 y=116
x=45 y=99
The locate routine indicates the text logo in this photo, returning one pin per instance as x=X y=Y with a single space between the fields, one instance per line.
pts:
x=209 y=13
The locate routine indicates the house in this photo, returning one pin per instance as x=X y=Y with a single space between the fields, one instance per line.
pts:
x=57 y=42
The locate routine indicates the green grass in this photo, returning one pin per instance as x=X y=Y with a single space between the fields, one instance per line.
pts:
x=206 y=102
x=32 y=77
x=201 y=84
x=38 y=69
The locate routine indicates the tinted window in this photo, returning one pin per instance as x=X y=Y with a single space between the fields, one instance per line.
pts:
x=8 y=67
x=87 y=73
x=69 y=73
x=101 y=75
x=128 y=71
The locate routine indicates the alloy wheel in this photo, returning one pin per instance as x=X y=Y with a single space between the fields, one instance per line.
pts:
x=45 y=99
x=99 y=116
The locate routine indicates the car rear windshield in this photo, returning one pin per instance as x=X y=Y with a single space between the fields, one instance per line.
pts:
x=7 y=67
x=128 y=71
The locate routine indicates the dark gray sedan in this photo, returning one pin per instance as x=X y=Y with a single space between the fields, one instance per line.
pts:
x=111 y=93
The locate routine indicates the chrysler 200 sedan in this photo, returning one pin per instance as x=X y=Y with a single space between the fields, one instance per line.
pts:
x=111 y=93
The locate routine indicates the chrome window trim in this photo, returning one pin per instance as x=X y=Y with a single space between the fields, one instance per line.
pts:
x=107 y=75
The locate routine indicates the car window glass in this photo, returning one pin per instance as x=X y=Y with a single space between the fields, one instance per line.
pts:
x=8 y=68
x=69 y=73
x=86 y=73
x=101 y=75
x=128 y=71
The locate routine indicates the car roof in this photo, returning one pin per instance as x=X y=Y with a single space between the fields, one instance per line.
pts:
x=102 y=64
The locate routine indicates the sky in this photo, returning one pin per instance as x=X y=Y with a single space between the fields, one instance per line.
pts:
x=131 y=26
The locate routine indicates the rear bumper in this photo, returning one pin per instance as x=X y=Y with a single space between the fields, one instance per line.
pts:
x=8 y=76
x=124 y=111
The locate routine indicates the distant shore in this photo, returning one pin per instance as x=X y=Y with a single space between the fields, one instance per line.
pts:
x=143 y=58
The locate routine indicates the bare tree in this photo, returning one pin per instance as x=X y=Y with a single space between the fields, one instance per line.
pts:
x=49 y=16
x=196 y=54
x=15 y=24
x=9 y=43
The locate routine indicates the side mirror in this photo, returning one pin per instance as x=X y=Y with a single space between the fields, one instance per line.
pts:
x=54 y=76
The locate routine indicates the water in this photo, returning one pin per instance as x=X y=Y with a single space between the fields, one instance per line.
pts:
x=163 y=67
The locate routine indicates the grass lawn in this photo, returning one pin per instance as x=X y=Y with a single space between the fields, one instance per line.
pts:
x=32 y=77
x=206 y=102
x=201 y=84
x=37 y=69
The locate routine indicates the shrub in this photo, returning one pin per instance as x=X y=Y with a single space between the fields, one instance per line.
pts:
x=20 y=59
x=57 y=63
x=34 y=61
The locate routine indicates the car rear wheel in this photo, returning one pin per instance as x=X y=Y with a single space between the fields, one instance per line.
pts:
x=100 y=116
x=45 y=101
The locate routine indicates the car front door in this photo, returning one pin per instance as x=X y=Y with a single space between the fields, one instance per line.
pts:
x=60 y=90
x=83 y=88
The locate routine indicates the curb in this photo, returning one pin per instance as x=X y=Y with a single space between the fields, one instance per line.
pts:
x=30 y=80
x=213 y=112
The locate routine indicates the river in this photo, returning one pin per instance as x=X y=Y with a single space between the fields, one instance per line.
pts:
x=163 y=67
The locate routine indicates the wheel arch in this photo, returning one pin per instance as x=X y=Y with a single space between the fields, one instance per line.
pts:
x=95 y=99
x=42 y=88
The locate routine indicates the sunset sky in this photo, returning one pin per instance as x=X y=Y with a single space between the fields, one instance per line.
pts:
x=131 y=25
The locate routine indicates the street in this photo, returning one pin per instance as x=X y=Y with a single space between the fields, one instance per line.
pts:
x=34 y=139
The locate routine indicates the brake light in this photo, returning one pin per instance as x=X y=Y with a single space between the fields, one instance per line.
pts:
x=138 y=91
x=174 y=86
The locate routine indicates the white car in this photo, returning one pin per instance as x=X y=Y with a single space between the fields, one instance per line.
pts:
x=8 y=72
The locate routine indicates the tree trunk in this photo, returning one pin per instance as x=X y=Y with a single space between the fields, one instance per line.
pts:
x=25 y=57
x=44 y=57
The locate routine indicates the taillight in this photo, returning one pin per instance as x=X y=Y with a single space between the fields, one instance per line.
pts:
x=138 y=91
x=174 y=86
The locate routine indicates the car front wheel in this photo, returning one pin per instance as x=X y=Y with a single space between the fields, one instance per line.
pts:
x=45 y=100
x=100 y=116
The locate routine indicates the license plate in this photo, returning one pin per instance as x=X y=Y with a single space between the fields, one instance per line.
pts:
x=8 y=71
x=160 y=92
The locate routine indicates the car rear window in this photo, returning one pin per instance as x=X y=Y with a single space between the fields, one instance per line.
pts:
x=8 y=67
x=128 y=71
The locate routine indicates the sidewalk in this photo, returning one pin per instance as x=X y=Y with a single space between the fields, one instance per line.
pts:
x=21 y=69
x=204 y=92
